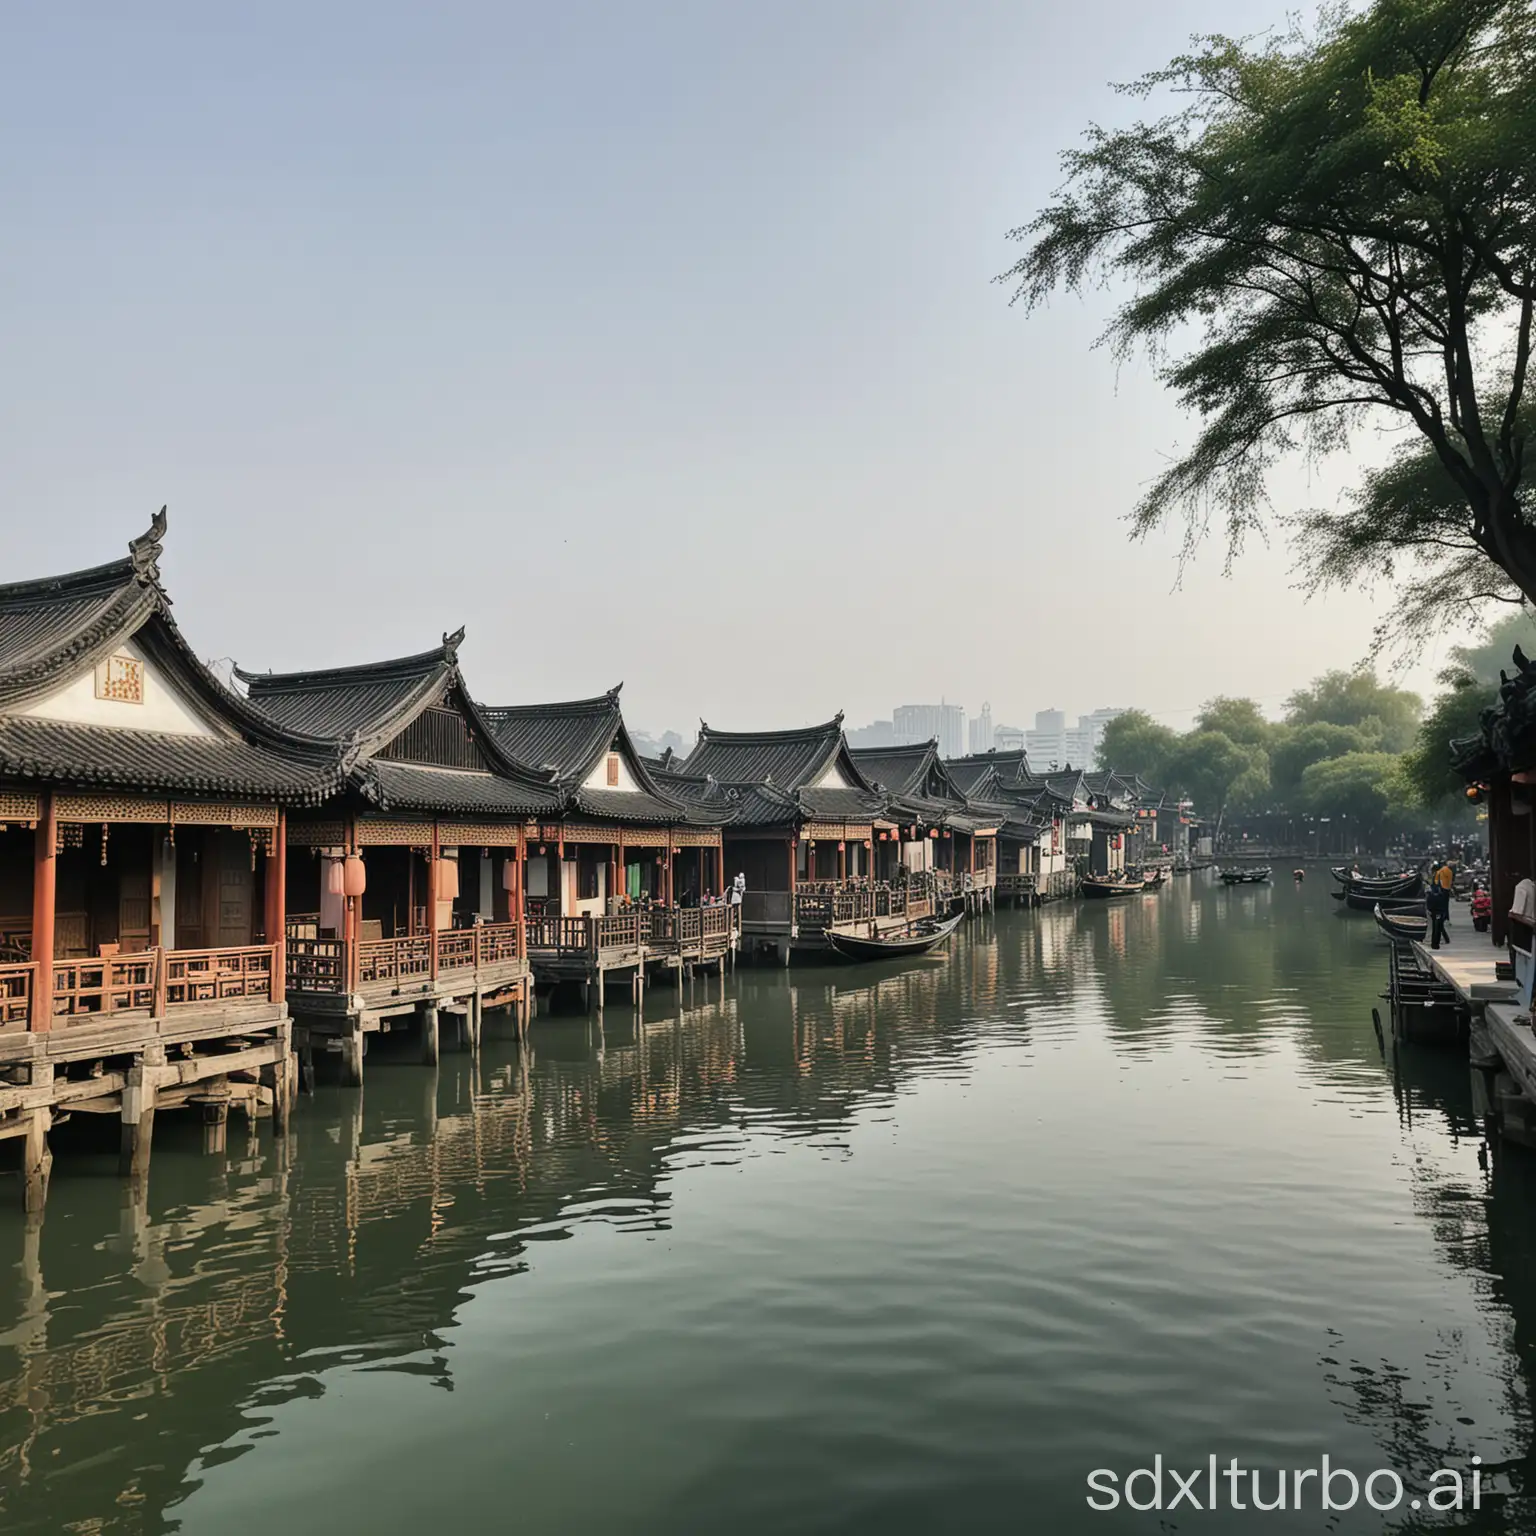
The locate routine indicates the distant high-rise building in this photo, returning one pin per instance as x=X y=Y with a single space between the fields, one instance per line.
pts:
x=1047 y=743
x=981 y=730
x=878 y=733
x=1054 y=741
x=944 y=723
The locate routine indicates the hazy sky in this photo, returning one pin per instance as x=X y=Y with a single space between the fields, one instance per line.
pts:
x=652 y=342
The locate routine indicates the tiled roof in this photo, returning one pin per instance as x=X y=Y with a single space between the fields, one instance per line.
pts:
x=842 y=804
x=571 y=739
x=1011 y=765
x=407 y=787
x=568 y=737
x=371 y=703
x=788 y=759
x=899 y=769
x=63 y=752
x=51 y=628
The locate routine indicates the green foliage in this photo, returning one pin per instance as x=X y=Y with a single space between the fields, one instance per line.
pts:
x=1296 y=747
x=1134 y=742
x=1387 y=717
x=1240 y=719
x=1335 y=229
x=1360 y=785
x=1491 y=655
x=1218 y=773
x=1426 y=768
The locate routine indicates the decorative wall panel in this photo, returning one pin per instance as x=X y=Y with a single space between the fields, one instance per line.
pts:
x=483 y=834
x=316 y=834
x=18 y=805
x=111 y=808
x=194 y=814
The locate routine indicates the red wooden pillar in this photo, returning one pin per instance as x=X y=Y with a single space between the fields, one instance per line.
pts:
x=669 y=870
x=45 y=866
x=275 y=919
x=432 y=889
x=351 y=915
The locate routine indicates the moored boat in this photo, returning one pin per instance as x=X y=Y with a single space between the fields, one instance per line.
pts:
x=915 y=939
x=1256 y=876
x=1401 y=927
x=1100 y=886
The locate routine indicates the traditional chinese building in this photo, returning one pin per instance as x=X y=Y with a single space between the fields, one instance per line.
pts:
x=142 y=809
x=626 y=875
x=812 y=838
x=955 y=836
x=404 y=889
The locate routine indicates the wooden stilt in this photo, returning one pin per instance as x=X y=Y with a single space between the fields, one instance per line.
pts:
x=352 y=1054
x=36 y=1159
x=602 y=989
x=139 y=1115
x=216 y=1126
x=429 y=1035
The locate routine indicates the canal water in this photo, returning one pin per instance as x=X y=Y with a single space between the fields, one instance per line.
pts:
x=891 y=1249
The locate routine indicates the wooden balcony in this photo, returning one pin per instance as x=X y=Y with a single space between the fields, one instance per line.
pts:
x=819 y=907
x=451 y=958
x=692 y=933
x=148 y=984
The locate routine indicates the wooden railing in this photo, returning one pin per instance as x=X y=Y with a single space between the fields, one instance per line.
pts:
x=320 y=965
x=572 y=935
x=469 y=948
x=219 y=975
x=316 y=965
x=690 y=927
x=394 y=959
x=157 y=981
x=16 y=995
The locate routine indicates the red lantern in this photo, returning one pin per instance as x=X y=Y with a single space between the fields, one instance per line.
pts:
x=355 y=876
x=933 y=831
x=542 y=850
x=840 y=846
x=867 y=843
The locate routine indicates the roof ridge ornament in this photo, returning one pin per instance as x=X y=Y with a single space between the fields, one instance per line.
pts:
x=451 y=643
x=145 y=550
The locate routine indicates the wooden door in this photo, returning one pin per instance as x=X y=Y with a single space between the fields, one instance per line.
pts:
x=236 y=884
x=133 y=911
x=191 y=857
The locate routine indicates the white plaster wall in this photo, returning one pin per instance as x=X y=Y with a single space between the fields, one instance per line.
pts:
x=164 y=708
x=833 y=778
x=598 y=778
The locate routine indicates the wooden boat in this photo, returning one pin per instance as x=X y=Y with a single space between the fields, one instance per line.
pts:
x=1364 y=900
x=1245 y=876
x=1401 y=927
x=1354 y=882
x=916 y=939
x=1101 y=886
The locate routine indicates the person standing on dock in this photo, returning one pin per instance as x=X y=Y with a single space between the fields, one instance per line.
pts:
x=1437 y=903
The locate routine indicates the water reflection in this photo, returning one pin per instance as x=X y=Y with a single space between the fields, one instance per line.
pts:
x=145 y=1346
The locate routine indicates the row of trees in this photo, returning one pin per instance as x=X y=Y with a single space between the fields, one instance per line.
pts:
x=1347 y=745
x=1338 y=750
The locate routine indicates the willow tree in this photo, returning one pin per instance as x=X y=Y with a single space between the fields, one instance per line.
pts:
x=1336 y=228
